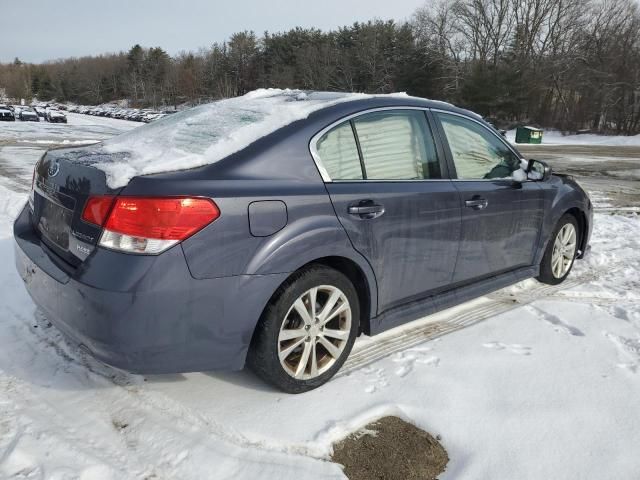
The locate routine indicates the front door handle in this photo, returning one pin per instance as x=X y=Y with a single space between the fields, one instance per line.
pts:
x=366 y=210
x=477 y=203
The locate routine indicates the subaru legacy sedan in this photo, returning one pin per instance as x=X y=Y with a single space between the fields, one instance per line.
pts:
x=271 y=230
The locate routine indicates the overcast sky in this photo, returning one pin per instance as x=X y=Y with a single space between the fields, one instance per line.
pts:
x=38 y=30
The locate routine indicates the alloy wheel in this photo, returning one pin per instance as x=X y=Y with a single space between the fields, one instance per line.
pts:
x=315 y=332
x=564 y=251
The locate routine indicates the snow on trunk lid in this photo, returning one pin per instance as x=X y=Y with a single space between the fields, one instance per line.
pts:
x=208 y=133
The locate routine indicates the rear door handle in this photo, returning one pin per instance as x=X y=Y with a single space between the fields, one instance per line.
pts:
x=366 y=210
x=477 y=203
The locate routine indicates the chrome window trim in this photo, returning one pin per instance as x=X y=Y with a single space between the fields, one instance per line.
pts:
x=495 y=134
x=402 y=180
x=318 y=161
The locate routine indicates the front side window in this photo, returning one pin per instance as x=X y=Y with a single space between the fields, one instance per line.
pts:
x=396 y=145
x=477 y=153
x=338 y=152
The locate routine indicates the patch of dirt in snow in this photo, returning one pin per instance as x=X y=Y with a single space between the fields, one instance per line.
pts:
x=391 y=449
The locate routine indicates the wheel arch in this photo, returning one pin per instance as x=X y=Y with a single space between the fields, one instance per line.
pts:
x=564 y=196
x=359 y=280
x=319 y=240
x=583 y=226
x=356 y=275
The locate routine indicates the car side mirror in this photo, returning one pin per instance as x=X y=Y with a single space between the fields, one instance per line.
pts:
x=538 y=170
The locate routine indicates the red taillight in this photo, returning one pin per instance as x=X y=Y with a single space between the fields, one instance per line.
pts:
x=148 y=225
x=96 y=209
x=174 y=218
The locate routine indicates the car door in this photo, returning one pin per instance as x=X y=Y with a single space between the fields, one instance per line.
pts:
x=387 y=188
x=501 y=217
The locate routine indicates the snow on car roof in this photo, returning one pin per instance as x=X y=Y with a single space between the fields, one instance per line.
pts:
x=208 y=133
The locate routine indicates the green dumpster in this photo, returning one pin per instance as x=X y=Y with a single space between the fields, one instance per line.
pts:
x=528 y=135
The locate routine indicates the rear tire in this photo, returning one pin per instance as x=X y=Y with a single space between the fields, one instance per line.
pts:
x=561 y=251
x=299 y=344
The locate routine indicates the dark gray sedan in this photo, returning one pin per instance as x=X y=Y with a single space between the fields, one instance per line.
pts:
x=359 y=215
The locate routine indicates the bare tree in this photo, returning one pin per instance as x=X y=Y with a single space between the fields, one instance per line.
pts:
x=569 y=64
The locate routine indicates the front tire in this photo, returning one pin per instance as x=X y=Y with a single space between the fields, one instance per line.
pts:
x=306 y=331
x=561 y=251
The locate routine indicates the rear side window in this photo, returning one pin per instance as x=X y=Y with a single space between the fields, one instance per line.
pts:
x=477 y=153
x=397 y=145
x=339 y=153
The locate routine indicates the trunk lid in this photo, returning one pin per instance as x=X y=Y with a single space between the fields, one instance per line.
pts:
x=64 y=179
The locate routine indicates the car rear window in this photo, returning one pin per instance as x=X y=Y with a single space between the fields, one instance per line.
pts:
x=339 y=153
x=211 y=132
x=397 y=145
x=394 y=144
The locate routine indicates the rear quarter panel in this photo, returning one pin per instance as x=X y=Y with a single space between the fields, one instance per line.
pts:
x=280 y=168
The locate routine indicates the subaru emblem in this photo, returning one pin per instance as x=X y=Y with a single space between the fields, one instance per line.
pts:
x=54 y=168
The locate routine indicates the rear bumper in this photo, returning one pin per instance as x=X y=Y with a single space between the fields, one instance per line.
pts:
x=144 y=314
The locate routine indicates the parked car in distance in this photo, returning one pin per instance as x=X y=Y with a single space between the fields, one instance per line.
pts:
x=41 y=111
x=6 y=114
x=360 y=214
x=146 y=115
x=28 y=115
x=55 y=116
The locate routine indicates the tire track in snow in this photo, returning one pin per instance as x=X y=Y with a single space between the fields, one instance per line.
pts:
x=25 y=407
x=80 y=384
x=557 y=324
x=593 y=298
x=498 y=302
x=629 y=348
x=147 y=421
x=412 y=336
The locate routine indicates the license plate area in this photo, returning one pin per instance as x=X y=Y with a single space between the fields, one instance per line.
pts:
x=55 y=222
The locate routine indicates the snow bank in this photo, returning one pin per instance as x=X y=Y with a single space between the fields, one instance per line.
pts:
x=59 y=142
x=11 y=203
x=209 y=133
x=554 y=137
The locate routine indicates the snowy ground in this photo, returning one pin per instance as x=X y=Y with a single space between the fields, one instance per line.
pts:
x=529 y=382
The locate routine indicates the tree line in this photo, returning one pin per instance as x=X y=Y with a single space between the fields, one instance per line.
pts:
x=568 y=64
